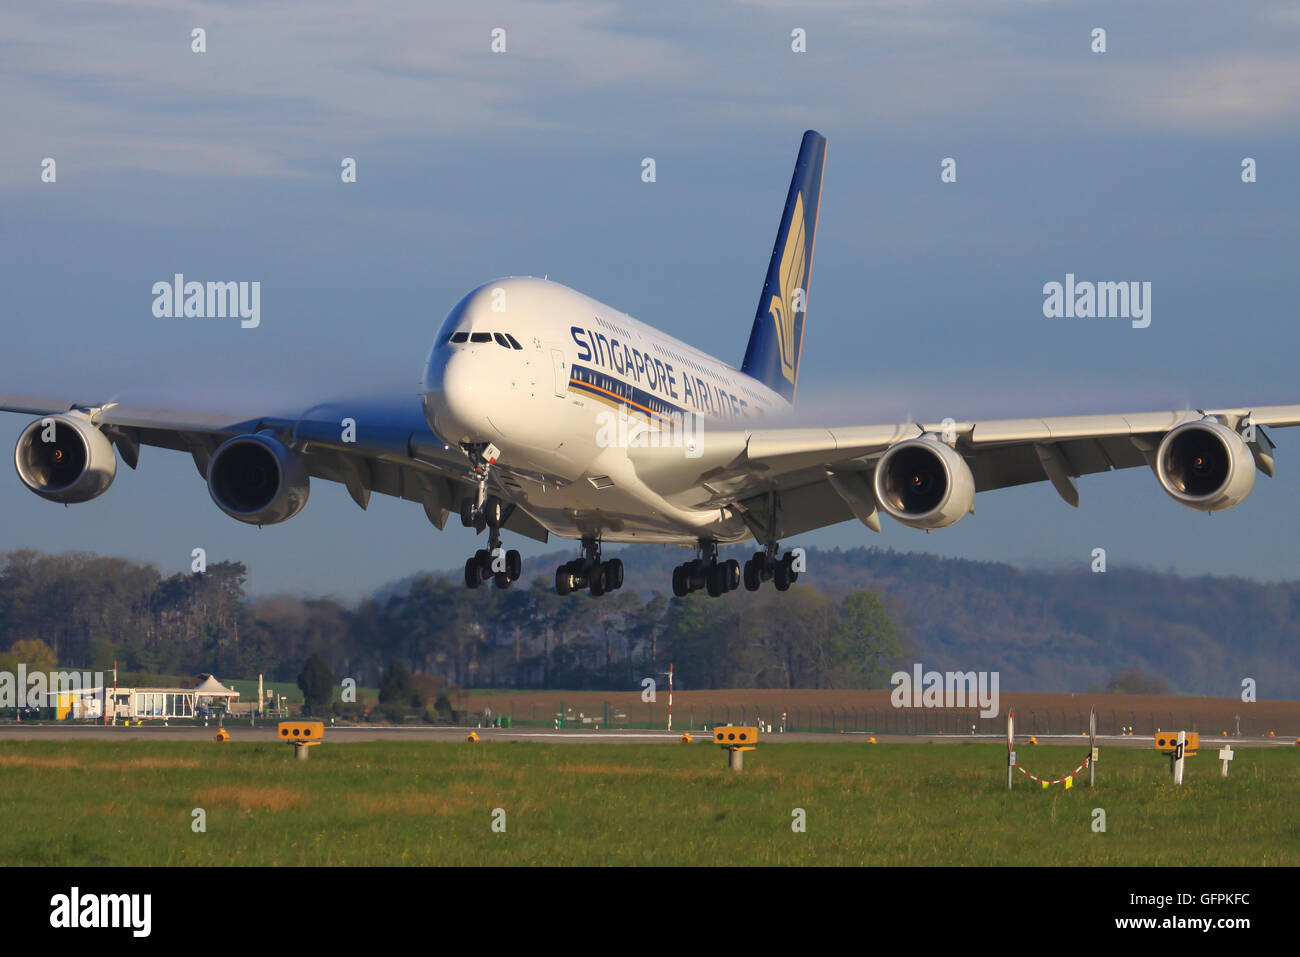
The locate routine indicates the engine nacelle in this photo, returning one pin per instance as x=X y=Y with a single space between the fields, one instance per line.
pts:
x=257 y=479
x=1205 y=465
x=64 y=458
x=924 y=483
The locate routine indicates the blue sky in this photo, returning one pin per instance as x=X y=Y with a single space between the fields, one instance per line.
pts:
x=926 y=297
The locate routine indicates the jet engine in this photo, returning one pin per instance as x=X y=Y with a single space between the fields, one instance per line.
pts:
x=257 y=479
x=1205 y=465
x=64 y=458
x=924 y=483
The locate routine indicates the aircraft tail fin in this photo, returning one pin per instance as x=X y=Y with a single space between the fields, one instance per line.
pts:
x=776 y=340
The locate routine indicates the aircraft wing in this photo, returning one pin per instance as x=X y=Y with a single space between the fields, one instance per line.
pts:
x=390 y=449
x=789 y=481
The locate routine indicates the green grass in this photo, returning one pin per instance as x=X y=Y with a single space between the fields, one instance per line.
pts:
x=130 y=802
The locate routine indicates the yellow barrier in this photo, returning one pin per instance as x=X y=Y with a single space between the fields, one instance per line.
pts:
x=1167 y=742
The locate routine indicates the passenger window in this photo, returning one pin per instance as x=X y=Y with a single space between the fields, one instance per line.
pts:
x=501 y=340
x=481 y=337
x=514 y=343
x=460 y=337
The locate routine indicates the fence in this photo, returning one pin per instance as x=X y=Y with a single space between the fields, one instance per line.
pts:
x=967 y=721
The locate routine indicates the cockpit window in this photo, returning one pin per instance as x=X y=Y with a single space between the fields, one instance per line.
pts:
x=514 y=343
x=501 y=340
x=481 y=337
x=460 y=337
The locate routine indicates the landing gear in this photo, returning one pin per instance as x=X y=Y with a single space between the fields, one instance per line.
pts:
x=765 y=566
x=706 y=572
x=589 y=572
x=501 y=567
x=488 y=511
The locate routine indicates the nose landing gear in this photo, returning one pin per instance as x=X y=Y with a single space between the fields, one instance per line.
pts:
x=589 y=572
x=488 y=511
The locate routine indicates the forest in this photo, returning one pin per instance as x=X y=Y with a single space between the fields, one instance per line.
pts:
x=92 y=611
x=852 y=618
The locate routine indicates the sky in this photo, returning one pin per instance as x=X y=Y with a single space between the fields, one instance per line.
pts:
x=926 y=297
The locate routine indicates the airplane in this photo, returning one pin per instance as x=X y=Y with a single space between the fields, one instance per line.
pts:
x=544 y=412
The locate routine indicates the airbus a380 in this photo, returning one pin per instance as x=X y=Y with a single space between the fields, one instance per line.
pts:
x=544 y=412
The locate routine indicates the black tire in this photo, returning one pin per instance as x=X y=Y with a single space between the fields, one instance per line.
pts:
x=484 y=559
x=563 y=580
x=492 y=512
x=514 y=565
x=697 y=574
x=713 y=581
x=467 y=512
x=753 y=575
x=788 y=562
x=782 y=576
x=615 y=574
x=681 y=587
x=502 y=580
x=473 y=577
x=597 y=585
x=732 y=575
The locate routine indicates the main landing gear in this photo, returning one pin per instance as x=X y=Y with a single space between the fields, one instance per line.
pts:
x=765 y=566
x=706 y=572
x=589 y=572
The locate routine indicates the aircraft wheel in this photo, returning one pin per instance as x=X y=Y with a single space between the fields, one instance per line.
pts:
x=731 y=574
x=782 y=575
x=514 y=565
x=502 y=580
x=681 y=588
x=467 y=512
x=753 y=575
x=697 y=574
x=473 y=574
x=713 y=581
x=788 y=561
x=563 y=580
x=597 y=585
x=492 y=512
x=615 y=573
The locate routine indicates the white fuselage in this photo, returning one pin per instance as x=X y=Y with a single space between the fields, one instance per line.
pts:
x=595 y=414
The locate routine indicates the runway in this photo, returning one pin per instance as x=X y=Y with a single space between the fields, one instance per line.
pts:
x=362 y=733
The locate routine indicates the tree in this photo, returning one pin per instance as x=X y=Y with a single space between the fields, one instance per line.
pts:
x=396 y=686
x=867 y=639
x=34 y=653
x=317 y=684
x=1137 y=681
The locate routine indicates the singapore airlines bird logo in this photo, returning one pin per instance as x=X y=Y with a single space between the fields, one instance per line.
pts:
x=786 y=307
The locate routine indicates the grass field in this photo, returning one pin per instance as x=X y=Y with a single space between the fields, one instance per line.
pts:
x=131 y=803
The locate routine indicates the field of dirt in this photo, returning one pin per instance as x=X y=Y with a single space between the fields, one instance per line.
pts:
x=872 y=711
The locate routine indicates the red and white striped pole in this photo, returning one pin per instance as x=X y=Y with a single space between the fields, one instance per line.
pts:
x=670 y=696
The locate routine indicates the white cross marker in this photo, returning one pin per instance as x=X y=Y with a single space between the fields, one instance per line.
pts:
x=1225 y=755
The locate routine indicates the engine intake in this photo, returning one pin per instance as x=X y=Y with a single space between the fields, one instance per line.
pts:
x=924 y=483
x=1205 y=465
x=258 y=480
x=64 y=458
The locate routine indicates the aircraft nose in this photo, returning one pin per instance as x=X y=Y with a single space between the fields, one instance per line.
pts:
x=455 y=403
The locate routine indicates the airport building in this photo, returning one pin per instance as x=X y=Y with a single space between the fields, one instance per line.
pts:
x=210 y=696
